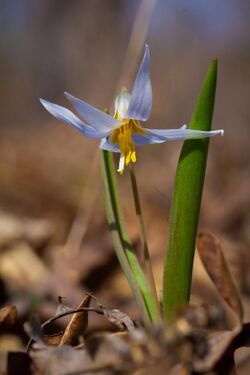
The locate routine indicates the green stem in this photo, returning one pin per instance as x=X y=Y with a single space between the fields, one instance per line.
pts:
x=124 y=251
x=184 y=213
x=146 y=255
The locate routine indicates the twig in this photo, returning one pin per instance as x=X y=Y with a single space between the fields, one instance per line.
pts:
x=65 y=313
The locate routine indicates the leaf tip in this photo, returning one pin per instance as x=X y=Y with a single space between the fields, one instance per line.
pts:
x=214 y=63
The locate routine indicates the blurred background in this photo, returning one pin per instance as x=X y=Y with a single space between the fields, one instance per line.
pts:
x=53 y=234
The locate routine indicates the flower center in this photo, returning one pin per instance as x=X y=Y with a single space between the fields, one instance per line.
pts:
x=123 y=136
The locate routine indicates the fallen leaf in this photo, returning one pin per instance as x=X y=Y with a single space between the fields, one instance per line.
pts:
x=110 y=351
x=216 y=266
x=77 y=325
x=58 y=360
x=242 y=360
x=119 y=319
x=222 y=348
x=54 y=339
x=21 y=268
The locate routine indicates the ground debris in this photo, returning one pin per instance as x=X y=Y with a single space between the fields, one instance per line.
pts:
x=36 y=232
x=192 y=344
x=21 y=268
x=8 y=315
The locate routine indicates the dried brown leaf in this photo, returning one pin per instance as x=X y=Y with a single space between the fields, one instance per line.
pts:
x=14 y=229
x=218 y=344
x=119 y=319
x=54 y=339
x=77 y=325
x=222 y=348
x=111 y=351
x=58 y=360
x=8 y=315
x=216 y=266
x=21 y=268
x=242 y=360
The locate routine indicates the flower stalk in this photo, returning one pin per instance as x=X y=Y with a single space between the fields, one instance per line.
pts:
x=124 y=250
x=144 y=243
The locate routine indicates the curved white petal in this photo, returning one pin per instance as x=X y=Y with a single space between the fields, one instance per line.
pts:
x=65 y=115
x=154 y=136
x=163 y=135
x=141 y=96
x=122 y=104
x=108 y=146
x=94 y=117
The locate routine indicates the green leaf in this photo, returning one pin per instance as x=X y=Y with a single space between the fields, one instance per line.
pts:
x=124 y=250
x=185 y=209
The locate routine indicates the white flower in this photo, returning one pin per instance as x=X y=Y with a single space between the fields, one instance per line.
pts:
x=122 y=132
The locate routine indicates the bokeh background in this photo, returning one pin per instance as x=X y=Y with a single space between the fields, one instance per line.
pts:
x=53 y=234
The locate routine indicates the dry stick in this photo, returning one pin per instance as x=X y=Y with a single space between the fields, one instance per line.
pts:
x=69 y=312
x=84 y=212
x=136 y=40
x=136 y=43
x=146 y=255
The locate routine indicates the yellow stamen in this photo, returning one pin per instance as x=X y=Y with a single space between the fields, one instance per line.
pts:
x=123 y=136
x=133 y=156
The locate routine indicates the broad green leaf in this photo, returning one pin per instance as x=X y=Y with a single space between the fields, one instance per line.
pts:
x=185 y=209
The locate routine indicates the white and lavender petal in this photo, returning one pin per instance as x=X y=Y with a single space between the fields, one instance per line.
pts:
x=141 y=96
x=94 y=117
x=163 y=135
x=105 y=144
x=65 y=115
x=154 y=136
x=140 y=140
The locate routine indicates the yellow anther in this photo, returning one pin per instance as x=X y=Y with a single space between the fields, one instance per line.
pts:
x=123 y=136
x=133 y=156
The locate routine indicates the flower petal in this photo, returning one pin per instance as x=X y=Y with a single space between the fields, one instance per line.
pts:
x=140 y=140
x=122 y=104
x=141 y=96
x=108 y=146
x=163 y=135
x=94 y=117
x=65 y=115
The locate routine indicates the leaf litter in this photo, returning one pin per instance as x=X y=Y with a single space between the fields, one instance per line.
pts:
x=197 y=344
x=191 y=345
